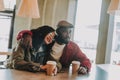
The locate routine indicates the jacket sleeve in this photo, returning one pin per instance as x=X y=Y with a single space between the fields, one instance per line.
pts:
x=18 y=61
x=84 y=60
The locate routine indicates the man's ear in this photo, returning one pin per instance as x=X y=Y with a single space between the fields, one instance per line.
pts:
x=58 y=31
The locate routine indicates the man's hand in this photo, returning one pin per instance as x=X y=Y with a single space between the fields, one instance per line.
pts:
x=82 y=70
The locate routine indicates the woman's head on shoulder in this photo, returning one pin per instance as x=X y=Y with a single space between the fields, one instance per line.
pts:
x=45 y=33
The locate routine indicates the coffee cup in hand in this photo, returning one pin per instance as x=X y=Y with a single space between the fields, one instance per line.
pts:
x=51 y=67
x=75 y=66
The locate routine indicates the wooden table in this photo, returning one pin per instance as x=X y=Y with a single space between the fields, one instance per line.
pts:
x=98 y=72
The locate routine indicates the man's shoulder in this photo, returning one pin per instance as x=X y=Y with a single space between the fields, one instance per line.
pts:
x=72 y=42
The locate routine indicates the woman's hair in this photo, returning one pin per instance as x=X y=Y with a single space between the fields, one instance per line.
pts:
x=39 y=35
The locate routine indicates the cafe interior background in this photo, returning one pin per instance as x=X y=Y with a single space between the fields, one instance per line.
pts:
x=96 y=24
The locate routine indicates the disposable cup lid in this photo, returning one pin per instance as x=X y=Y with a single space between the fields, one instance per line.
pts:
x=51 y=62
x=75 y=62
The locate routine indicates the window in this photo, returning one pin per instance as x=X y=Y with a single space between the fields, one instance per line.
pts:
x=86 y=26
x=6 y=18
x=115 y=54
x=5 y=23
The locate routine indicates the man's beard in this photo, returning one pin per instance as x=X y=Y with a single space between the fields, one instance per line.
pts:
x=59 y=39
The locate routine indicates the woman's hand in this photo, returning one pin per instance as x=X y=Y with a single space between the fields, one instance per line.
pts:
x=44 y=67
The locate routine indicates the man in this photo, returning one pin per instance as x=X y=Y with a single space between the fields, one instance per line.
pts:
x=65 y=51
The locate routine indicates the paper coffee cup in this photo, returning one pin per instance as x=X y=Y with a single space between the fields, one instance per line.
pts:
x=75 y=66
x=51 y=67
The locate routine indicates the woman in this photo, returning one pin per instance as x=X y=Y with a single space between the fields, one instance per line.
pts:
x=24 y=57
x=42 y=37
